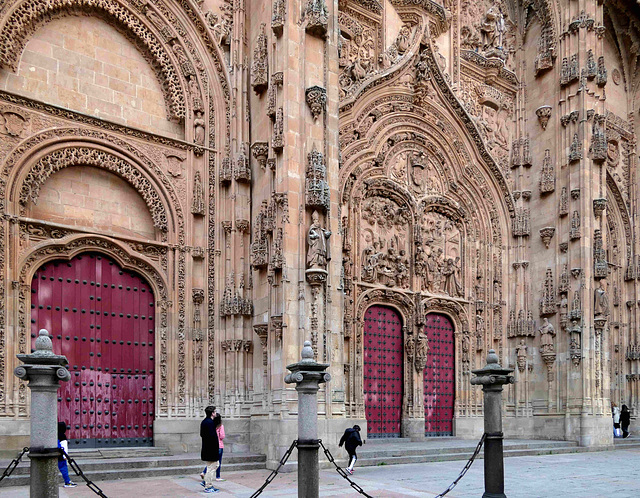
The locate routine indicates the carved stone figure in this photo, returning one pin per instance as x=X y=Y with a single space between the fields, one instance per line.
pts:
x=521 y=354
x=492 y=29
x=547 y=334
x=422 y=348
x=451 y=272
x=199 y=126
x=317 y=238
x=601 y=301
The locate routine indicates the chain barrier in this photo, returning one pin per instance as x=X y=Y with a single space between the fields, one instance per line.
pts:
x=14 y=463
x=273 y=474
x=76 y=468
x=342 y=472
x=466 y=467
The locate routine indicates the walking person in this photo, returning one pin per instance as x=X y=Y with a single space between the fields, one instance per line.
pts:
x=220 y=431
x=351 y=440
x=209 y=453
x=62 y=459
x=615 y=412
x=625 y=420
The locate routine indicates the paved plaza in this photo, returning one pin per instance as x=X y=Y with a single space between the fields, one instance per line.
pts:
x=575 y=475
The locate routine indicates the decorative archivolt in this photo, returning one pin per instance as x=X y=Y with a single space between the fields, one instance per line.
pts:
x=402 y=302
x=452 y=309
x=90 y=148
x=69 y=247
x=19 y=20
x=72 y=156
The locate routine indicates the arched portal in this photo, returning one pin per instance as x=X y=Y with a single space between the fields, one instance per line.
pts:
x=102 y=320
x=383 y=371
x=439 y=376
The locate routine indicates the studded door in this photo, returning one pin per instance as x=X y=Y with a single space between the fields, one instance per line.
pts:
x=102 y=319
x=383 y=379
x=439 y=388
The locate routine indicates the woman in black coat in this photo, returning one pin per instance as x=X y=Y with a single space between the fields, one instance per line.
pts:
x=625 y=420
x=210 y=451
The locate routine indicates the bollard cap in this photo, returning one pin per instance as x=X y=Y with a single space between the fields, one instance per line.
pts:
x=307 y=352
x=44 y=345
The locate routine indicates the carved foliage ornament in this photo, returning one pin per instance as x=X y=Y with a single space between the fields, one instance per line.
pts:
x=260 y=64
x=72 y=156
x=31 y=14
x=316 y=100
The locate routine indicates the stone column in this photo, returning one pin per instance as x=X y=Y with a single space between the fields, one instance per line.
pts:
x=492 y=377
x=307 y=375
x=43 y=370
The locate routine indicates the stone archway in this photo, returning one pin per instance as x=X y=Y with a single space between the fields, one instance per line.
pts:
x=102 y=318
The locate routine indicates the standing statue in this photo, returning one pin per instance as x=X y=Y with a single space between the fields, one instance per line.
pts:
x=451 y=285
x=422 y=348
x=318 y=238
x=521 y=353
x=492 y=29
x=601 y=305
x=547 y=333
x=199 y=125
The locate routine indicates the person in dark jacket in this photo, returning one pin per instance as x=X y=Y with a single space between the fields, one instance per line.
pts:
x=210 y=450
x=351 y=440
x=625 y=420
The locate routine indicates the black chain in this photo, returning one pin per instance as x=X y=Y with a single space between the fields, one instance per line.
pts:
x=273 y=474
x=466 y=467
x=76 y=468
x=14 y=463
x=342 y=472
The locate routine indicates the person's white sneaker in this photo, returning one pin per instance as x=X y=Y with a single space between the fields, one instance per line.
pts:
x=70 y=484
x=349 y=471
x=220 y=479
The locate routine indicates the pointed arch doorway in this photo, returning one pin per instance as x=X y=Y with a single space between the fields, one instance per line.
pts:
x=383 y=371
x=102 y=319
x=439 y=376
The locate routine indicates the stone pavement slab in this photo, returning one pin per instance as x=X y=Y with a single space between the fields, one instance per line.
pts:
x=576 y=475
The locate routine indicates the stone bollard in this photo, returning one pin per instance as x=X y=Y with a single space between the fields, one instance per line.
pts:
x=43 y=370
x=307 y=375
x=492 y=377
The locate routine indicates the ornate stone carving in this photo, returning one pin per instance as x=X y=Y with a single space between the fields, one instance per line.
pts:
x=575 y=151
x=521 y=223
x=199 y=129
x=546 y=46
x=546 y=234
x=316 y=17
x=316 y=185
x=548 y=299
x=278 y=17
x=547 y=335
x=521 y=355
x=262 y=331
x=543 y=113
x=563 y=208
x=72 y=156
x=601 y=76
x=316 y=97
x=233 y=301
x=599 y=205
x=260 y=151
x=422 y=349
x=575 y=232
x=598 y=149
x=600 y=265
x=13 y=122
x=241 y=168
x=197 y=205
x=601 y=301
x=547 y=174
x=260 y=64
x=318 y=242
x=272 y=94
x=277 y=142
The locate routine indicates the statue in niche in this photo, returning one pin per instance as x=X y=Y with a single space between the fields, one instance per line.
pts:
x=422 y=348
x=318 y=239
x=199 y=125
x=465 y=347
x=547 y=333
x=451 y=274
x=492 y=29
x=521 y=354
x=601 y=304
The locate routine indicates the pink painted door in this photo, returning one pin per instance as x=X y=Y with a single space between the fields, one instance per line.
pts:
x=439 y=385
x=102 y=319
x=383 y=371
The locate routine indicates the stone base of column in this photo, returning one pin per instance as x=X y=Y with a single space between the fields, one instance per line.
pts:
x=596 y=431
x=44 y=473
x=494 y=495
x=413 y=428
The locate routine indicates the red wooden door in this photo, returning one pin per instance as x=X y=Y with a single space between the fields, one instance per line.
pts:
x=102 y=319
x=439 y=388
x=383 y=378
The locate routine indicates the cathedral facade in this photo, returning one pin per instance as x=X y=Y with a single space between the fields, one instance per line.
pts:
x=191 y=189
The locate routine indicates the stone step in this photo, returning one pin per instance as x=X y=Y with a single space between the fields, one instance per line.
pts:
x=125 y=452
x=108 y=473
x=413 y=449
